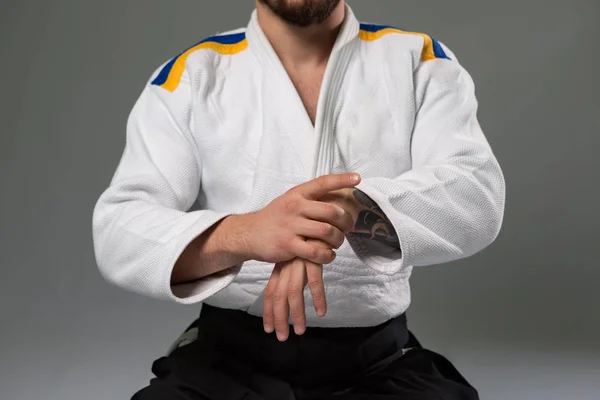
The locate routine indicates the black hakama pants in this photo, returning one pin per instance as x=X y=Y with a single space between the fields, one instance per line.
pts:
x=232 y=358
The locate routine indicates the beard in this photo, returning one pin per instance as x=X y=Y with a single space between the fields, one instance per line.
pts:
x=302 y=13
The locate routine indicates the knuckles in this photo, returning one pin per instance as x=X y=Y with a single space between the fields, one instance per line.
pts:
x=333 y=211
x=315 y=282
x=291 y=205
x=339 y=241
x=286 y=242
x=295 y=289
x=327 y=230
x=329 y=256
x=280 y=295
x=312 y=252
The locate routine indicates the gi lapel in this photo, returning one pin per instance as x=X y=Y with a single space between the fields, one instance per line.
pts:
x=313 y=144
x=329 y=106
x=287 y=103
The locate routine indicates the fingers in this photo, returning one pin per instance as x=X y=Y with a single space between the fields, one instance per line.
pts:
x=320 y=230
x=281 y=310
x=268 y=316
x=314 y=275
x=295 y=292
x=322 y=185
x=329 y=213
x=284 y=296
x=312 y=252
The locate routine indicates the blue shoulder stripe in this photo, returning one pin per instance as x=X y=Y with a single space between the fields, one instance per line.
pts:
x=170 y=75
x=432 y=49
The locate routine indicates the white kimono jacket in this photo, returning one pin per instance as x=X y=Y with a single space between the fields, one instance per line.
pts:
x=221 y=130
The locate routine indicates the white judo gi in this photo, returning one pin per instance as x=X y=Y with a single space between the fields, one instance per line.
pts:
x=221 y=130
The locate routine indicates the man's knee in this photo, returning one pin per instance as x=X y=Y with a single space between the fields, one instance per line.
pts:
x=158 y=391
x=147 y=393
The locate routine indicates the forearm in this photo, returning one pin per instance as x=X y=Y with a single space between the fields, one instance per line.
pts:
x=371 y=223
x=219 y=248
x=441 y=213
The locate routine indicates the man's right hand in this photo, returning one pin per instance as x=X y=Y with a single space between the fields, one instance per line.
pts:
x=278 y=232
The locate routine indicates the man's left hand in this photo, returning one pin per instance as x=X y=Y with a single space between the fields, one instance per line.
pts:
x=284 y=295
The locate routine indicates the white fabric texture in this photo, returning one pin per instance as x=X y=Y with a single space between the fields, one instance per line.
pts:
x=222 y=131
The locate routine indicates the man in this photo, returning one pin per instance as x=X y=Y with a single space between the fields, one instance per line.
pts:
x=306 y=151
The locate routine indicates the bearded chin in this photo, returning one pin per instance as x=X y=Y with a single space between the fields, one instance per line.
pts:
x=302 y=14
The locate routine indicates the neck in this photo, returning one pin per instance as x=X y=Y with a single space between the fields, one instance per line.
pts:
x=301 y=45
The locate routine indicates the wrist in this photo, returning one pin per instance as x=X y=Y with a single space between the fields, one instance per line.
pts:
x=235 y=234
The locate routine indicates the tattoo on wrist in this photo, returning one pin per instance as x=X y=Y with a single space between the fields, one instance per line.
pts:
x=372 y=223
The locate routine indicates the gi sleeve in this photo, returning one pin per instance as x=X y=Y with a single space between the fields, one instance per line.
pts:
x=141 y=222
x=450 y=205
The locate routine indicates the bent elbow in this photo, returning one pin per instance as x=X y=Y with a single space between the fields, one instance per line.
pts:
x=494 y=225
x=104 y=219
x=491 y=218
x=492 y=185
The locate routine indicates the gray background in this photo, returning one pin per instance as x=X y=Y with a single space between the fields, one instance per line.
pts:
x=521 y=319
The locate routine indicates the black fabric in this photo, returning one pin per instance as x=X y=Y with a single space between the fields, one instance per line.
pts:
x=233 y=359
